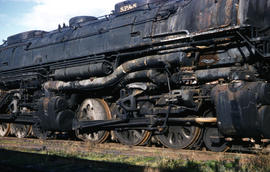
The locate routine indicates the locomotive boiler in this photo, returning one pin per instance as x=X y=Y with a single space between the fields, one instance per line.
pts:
x=185 y=73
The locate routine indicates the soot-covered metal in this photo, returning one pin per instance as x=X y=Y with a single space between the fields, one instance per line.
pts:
x=192 y=73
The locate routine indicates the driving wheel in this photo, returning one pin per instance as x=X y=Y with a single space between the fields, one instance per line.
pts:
x=20 y=130
x=129 y=137
x=93 y=109
x=179 y=137
x=213 y=139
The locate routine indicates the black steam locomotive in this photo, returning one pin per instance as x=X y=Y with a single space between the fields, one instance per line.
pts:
x=188 y=73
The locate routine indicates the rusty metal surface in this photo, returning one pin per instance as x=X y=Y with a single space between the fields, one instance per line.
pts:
x=197 y=16
x=237 y=108
x=206 y=60
x=216 y=35
x=190 y=15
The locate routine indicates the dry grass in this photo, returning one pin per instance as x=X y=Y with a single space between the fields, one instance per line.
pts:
x=259 y=163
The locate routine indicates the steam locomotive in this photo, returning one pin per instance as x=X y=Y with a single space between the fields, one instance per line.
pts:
x=185 y=73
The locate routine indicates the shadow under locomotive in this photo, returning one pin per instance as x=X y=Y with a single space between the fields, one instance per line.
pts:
x=12 y=161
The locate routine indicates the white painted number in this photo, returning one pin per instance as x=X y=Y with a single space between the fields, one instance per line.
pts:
x=128 y=7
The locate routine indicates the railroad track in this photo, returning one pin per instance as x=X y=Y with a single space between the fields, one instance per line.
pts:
x=84 y=148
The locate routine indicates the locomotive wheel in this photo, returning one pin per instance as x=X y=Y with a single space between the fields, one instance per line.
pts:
x=180 y=137
x=39 y=133
x=214 y=141
x=93 y=109
x=4 y=129
x=212 y=138
x=21 y=131
x=129 y=137
x=133 y=137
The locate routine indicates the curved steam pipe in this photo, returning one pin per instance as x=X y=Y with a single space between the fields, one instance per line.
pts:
x=114 y=78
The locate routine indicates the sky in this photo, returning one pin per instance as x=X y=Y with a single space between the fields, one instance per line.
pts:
x=18 y=16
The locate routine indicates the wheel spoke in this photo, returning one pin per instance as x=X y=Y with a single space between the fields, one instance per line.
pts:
x=186 y=132
x=171 y=137
x=137 y=133
x=93 y=109
x=129 y=137
x=20 y=130
x=4 y=129
x=179 y=137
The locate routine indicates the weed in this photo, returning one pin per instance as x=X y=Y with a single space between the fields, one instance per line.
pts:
x=259 y=163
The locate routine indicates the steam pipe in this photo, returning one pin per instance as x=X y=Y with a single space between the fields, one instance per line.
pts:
x=114 y=78
x=151 y=75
